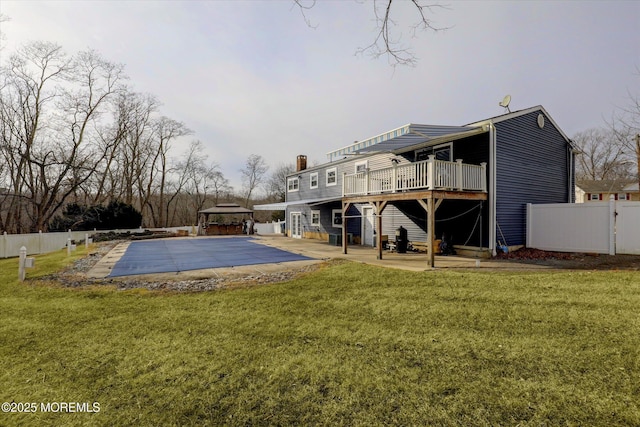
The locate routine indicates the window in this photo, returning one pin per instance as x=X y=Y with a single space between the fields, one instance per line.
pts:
x=336 y=218
x=622 y=196
x=361 y=167
x=332 y=177
x=293 y=184
x=594 y=196
x=315 y=218
x=442 y=152
x=313 y=180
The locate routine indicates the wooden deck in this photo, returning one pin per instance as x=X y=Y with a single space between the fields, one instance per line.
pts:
x=430 y=200
x=429 y=174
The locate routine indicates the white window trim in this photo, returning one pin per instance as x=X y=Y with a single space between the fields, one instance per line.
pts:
x=311 y=176
x=335 y=171
x=360 y=163
x=622 y=196
x=313 y=223
x=295 y=187
x=333 y=218
x=594 y=196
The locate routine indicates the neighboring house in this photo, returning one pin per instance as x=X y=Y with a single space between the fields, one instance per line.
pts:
x=475 y=180
x=603 y=190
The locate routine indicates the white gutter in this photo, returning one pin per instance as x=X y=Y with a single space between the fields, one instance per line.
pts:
x=492 y=188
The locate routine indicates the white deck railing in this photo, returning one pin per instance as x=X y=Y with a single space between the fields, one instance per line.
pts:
x=430 y=174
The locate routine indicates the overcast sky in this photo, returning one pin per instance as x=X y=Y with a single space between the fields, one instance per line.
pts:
x=251 y=77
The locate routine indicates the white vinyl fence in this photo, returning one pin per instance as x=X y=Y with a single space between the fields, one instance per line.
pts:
x=269 y=227
x=594 y=227
x=37 y=243
x=40 y=243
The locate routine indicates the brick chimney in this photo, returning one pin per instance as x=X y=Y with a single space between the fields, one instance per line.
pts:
x=301 y=163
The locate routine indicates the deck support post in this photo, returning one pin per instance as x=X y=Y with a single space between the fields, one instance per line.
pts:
x=431 y=206
x=379 y=208
x=431 y=225
x=345 y=208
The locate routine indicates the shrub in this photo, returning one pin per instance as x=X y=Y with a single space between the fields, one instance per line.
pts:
x=77 y=217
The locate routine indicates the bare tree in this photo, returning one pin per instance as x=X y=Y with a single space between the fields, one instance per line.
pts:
x=50 y=106
x=165 y=131
x=388 y=41
x=71 y=132
x=219 y=184
x=277 y=181
x=3 y=18
x=196 y=180
x=625 y=124
x=126 y=142
x=601 y=156
x=252 y=175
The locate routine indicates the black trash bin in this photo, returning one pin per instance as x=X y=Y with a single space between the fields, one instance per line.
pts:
x=401 y=240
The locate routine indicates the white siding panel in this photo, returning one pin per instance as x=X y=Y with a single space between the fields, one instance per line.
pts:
x=393 y=218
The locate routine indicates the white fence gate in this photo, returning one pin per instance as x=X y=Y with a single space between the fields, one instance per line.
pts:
x=628 y=228
x=598 y=227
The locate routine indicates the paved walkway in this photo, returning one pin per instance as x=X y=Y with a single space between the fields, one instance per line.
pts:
x=412 y=261
x=319 y=251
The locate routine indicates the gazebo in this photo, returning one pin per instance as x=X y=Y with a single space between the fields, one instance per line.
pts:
x=206 y=228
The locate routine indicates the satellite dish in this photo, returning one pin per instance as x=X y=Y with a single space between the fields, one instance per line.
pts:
x=505 y=102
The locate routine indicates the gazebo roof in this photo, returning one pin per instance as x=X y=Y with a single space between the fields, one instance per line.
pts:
x=226 y=208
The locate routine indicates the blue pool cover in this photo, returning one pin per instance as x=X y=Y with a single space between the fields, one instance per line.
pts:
x=174 y=255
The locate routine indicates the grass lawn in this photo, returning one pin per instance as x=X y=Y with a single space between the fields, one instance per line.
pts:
x=350 y=344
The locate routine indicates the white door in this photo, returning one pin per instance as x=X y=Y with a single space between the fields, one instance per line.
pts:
x=296 y=225
x=367 y=226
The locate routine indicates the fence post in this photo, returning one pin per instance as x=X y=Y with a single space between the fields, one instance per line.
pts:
x=344 y=182
x=4 y=246
x=612 y=225
x=86 y=240
x=69 y=247
x=366 y=182
x=431 y=172
x=21 y=263
x=529 y=225
x=459 y=174
x=394 y=175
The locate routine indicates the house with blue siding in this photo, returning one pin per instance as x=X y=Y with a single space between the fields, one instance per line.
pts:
x=468 y=184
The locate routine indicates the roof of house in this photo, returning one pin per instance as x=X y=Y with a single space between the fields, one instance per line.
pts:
x=226 y=208
x=605 y=185
x=422 y=135
x=407 y=135
x=413 y=135
x=514 y=114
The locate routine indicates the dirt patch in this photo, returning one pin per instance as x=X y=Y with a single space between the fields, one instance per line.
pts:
x=573 y=261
